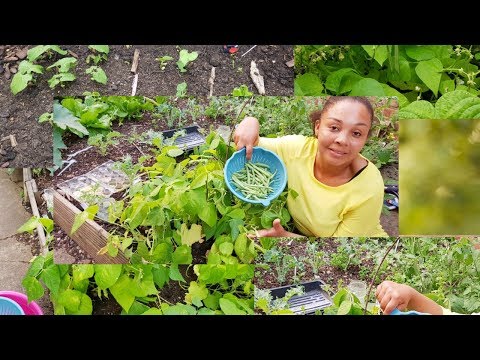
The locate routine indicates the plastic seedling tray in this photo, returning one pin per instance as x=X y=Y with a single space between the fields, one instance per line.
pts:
x=191 y=139
x=101 y=182
x=313 y=299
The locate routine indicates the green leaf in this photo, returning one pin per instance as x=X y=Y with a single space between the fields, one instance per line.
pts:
x=457 y=105
x=75 y=302
x=121 y=291
x=175 y=274
x=36 y=267
x=181 y=89
x=241 y=246
x=64 y=65
x=20 y=82
x=378 y=52
x=196 y=293
x=226 y=248
x=51 y=278
x=185 y=58
x=367 y=87
x=389 y=91
x=47 y=224
x=100 y=48
x=420 y=52
x=212 y=300
x=229 y=307
x=98 y=74
x=208 y=213
x=404 y=71
x=35 y=52
x=236 y=214
x=80 y=218
x=63 y=118
x=430 y=72
x=160 y=276
x=82 y=271
x=29 y=226
x=107 y=275
x=182 y=255
x=417 y=110
x=33 y=288
x=174 y=152
x=179 y=309
x=344 y=307
x=308 y=85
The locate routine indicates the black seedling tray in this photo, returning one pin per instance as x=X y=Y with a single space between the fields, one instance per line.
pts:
x=192 y=139
x=313 y=299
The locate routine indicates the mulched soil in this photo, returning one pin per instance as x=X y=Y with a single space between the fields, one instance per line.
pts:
x=19 y=114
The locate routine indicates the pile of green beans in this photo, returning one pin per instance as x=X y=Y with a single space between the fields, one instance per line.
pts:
x=253 y=181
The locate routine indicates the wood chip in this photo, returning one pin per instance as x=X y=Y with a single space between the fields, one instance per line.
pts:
x=290 y=63
x=73 y=54
x=212 y=80
x=257 y=78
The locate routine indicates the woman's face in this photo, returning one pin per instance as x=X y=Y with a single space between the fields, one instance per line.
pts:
x=342 y=132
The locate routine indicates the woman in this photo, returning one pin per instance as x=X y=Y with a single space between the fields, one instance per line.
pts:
x=340 y=191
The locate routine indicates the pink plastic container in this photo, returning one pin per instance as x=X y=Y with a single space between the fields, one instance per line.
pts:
x=31 y=308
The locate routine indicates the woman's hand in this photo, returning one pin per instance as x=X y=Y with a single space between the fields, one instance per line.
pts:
x=391 y=295
x=246 y=135
x=276 y=231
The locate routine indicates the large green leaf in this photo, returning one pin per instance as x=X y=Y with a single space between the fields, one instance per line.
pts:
x=63 y=118
x=367 y=87
x=33 y=288
x=107 y=275
x=420 y=52
x=389 y=91
x=75 y=302
x=20 y=82
x=36 y=267
x=430 y=72
x=196 y=293
x=51 y=278
x=208 y=213
x=121 y=292
x=308 y=85
x=229 y=307
x=100 y=48
x=182 y=255
x=417 y=110
x=342 y=80
x=458 y=104
x=82 y=271
x=378 y=52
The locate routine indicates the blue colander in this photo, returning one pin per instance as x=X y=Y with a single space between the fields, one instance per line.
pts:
x=237 y=162
x=10 y=307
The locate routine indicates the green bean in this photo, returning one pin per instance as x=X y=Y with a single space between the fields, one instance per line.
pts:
x=254 y=180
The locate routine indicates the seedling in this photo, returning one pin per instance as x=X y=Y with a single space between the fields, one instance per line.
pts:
x=185 y=58
x=163 y=61
x=97 y=74
x=100 y=52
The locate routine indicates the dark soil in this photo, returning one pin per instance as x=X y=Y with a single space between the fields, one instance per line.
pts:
x=19 y=114
x=266 y=278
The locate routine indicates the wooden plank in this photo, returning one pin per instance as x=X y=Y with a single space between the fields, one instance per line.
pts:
x=91 y=237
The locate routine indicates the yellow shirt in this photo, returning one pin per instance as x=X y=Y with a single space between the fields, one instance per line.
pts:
x=351 y=209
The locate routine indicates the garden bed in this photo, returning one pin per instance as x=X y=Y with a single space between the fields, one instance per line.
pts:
x=19 y=113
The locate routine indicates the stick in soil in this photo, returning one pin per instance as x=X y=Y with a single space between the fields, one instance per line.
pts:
x=211 y=80
x=136 y=55
x=375 y=275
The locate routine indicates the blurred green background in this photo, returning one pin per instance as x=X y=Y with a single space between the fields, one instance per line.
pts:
x=439 y=165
